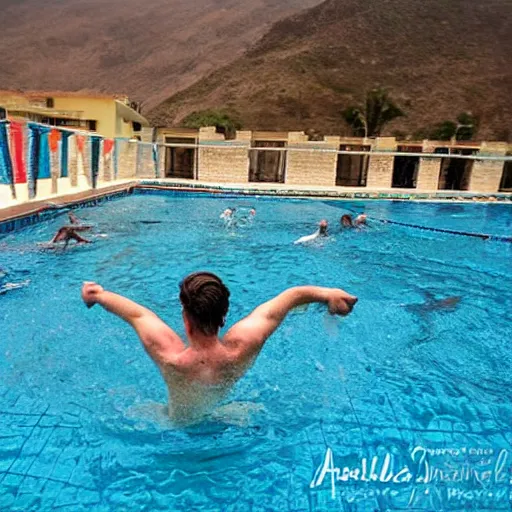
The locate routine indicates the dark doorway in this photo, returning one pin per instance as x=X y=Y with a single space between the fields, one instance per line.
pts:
x=405 y=168
x=456 y=172
x=267 y=166
x=506 y=177
x=352 y=170
x=180 y=162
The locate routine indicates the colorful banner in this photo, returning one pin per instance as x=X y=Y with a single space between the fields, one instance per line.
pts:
x=6 y=171
x=18 y=148
x=44 y=156
x=155 y=158
x=54 y=139
x=39 y=161
x=80 y=143
x=64 y=154
x=108 y=144
x=95 y=159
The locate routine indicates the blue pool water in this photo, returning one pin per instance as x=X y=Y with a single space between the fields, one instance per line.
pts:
x=412 y=401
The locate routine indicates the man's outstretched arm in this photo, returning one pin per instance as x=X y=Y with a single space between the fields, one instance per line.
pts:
x=159 y=340
x=251 y=333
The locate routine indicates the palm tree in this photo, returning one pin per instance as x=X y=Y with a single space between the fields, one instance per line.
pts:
x=223 y=121
x=378 y=111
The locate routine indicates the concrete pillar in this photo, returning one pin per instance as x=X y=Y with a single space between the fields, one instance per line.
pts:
x=486 y=174
x=227 y=163
x=145 y=162
x=429 y=169
x=73 y=161
x=55 y=169
x=127 y=159
x=311 y=167
x=108 y=166
x=380 y=168
x=161 y=161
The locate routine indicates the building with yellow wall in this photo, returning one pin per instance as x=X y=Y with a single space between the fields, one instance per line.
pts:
x=104 y=114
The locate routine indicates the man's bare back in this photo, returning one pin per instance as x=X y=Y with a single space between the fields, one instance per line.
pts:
x=201 y=374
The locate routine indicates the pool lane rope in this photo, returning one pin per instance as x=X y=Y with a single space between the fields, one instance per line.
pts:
x=482 y=236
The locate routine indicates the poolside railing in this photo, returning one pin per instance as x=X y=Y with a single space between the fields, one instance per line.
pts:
x=39 y=161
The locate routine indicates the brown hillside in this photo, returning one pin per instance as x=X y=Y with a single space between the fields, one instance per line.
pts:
x=148 y=49
x=438 y=57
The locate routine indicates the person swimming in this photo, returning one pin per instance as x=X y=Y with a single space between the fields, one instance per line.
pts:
x=347 y=222
x=237 y=217
x=227 y=213
x=67 y=233
x=201 y=373
x=321 y=232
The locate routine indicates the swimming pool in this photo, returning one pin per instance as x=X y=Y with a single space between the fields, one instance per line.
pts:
x=410 y=397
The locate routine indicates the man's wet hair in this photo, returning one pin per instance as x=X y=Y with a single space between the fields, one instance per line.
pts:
x=205 y=300
x=346 y=220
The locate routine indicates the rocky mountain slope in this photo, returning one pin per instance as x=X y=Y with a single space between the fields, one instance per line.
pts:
x=438 y=57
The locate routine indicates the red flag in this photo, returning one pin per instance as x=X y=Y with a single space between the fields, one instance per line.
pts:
x=108 y=144
x=80 y=143
x=54 y=139
x=17 y=136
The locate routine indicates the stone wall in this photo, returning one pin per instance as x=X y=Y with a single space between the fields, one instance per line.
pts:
x=486 y=175
x=309 y=166
x=380 y=169
x=227 y=163
x=429 y=169
x=127 y=159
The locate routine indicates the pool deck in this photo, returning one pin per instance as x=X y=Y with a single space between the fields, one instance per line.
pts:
x=272 y=189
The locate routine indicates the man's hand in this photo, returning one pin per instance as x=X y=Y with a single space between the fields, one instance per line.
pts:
x=340 y=302
x=90 y=293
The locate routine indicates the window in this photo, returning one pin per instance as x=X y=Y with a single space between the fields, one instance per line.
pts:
x=91 y=125
x=50 y=103
x=405 y=168
x=267 y=166
x=506 y=178
x=180 y=162
x=352 y=170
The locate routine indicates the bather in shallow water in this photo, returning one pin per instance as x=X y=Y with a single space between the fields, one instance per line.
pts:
x=201 y=374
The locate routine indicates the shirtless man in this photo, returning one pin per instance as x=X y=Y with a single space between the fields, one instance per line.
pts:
x=202 y=373
x=67 y=233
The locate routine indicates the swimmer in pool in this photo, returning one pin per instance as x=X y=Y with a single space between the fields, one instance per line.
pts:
x=360 y=220
x=227 y=214
x=67 y=233
x=347 y=222
x=322 y=231
x=73 y=218
x=201 y=373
